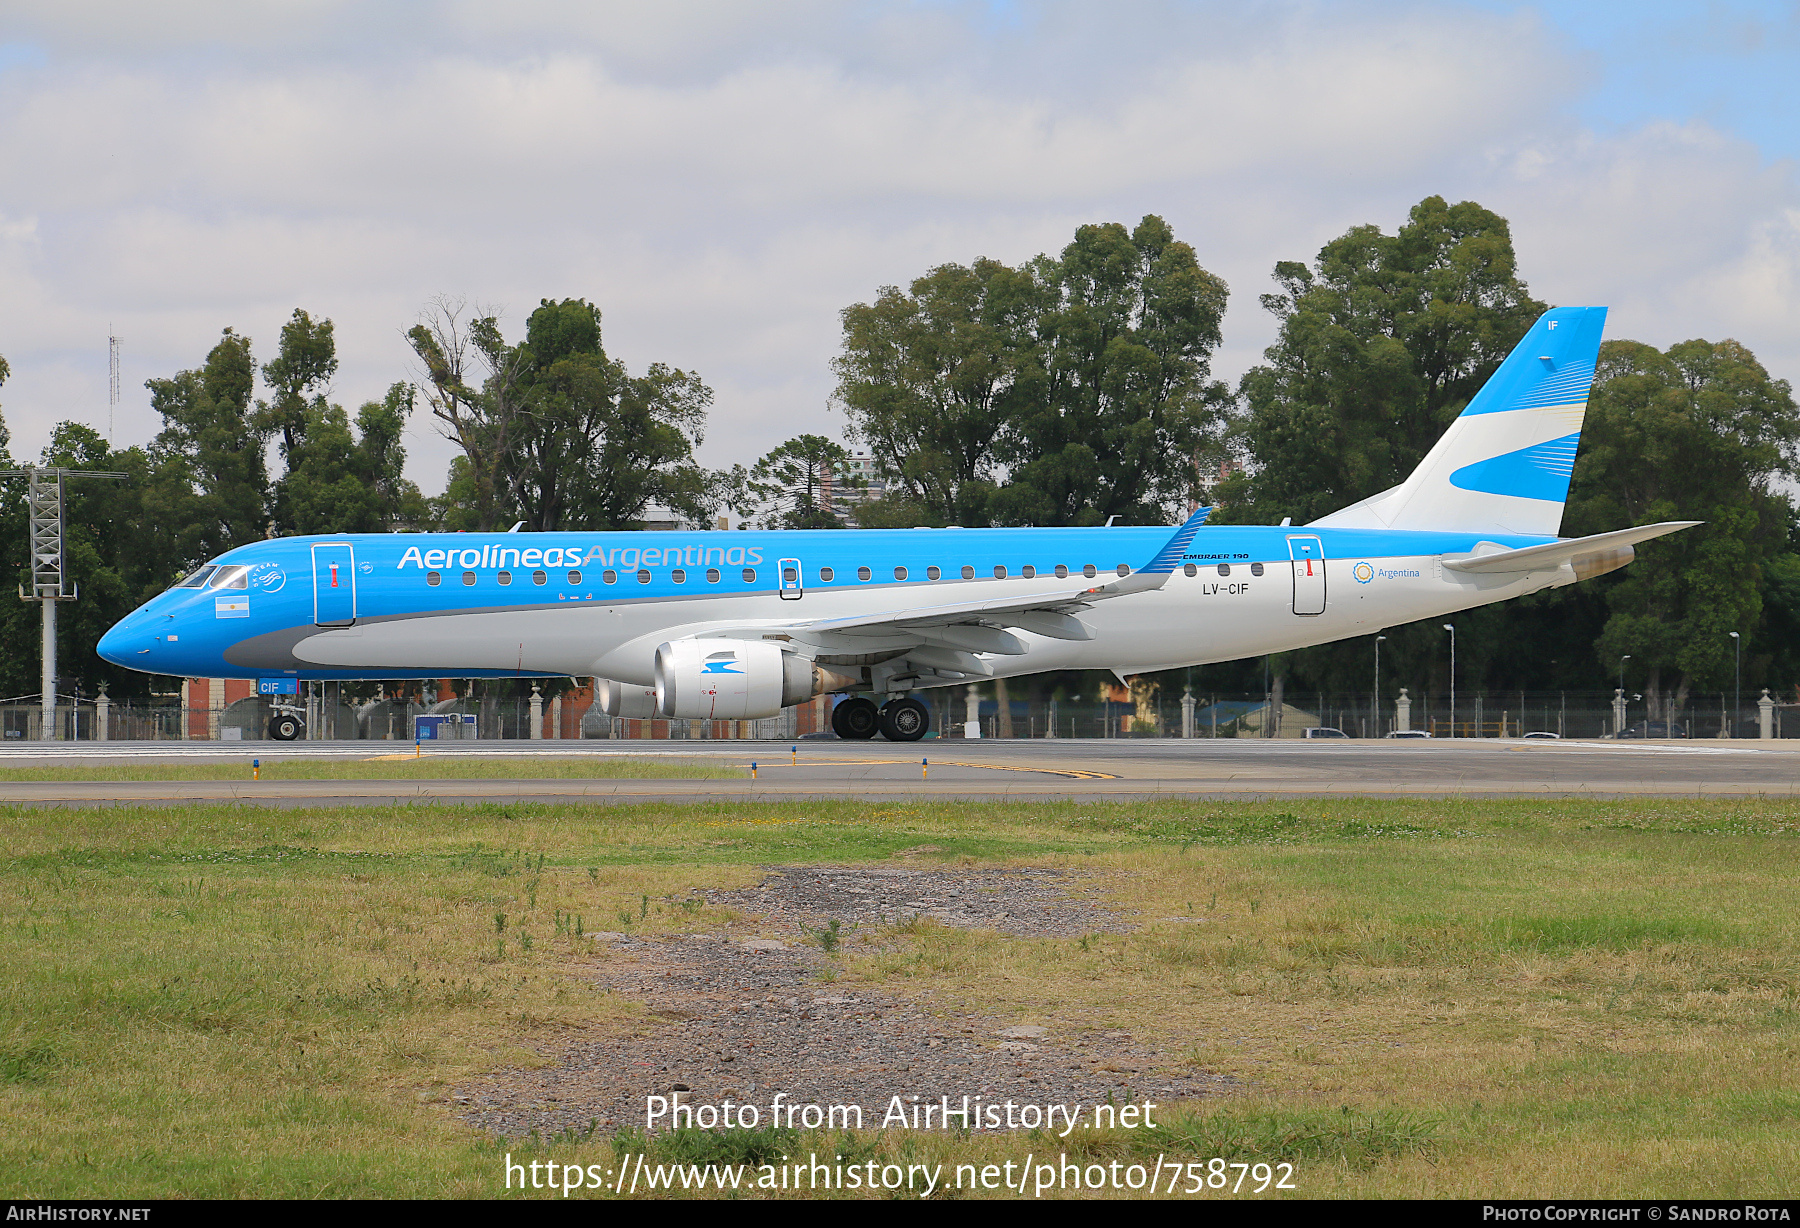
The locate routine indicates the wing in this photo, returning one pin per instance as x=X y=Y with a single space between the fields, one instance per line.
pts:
x=945 y=639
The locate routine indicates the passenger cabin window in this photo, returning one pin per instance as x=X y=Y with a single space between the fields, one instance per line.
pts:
x=1062 y=571
x=968 y=573
x=231 y=577
x=863 y=573
x=1256 y=569
x=825 y=574
x=789 y=575
x=538 y=577
x=643 y=576
x=679 y=576
x=1028 y=571
x=468 y=577
x=932 y=573
x=899 y=573
x=574 y=577
x=611 y=577
x=1188 y=569
x=198 y=579
x=1088 y=571
x=1123 y=570
x=504 y=577
x=434 y=578
x=749 y=575
x=712 y=575
x=1000 y=571
x=1224 y=569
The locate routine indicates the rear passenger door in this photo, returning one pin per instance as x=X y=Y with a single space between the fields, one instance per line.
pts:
x=1308 y=555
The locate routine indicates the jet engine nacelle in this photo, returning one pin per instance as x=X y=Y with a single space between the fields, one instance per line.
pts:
x=736 y=680
x=625 y=699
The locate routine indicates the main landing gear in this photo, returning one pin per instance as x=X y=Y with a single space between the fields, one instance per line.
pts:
x=899 y=720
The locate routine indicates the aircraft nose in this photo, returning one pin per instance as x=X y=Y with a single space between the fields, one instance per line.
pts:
x=128 y=643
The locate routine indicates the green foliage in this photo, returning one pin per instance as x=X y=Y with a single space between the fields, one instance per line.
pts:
x=307 y=361
x=1063 y=392
x=1383 y=341
x=787 y=488
x=555 y=433
x=1127 y=415
x=210 y=452
x=1700 y=432
x=345 y=482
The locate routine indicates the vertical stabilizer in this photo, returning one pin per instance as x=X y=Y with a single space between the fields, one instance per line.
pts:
x=1504 y=464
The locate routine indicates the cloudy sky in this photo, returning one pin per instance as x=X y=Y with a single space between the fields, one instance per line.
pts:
x=722 y=179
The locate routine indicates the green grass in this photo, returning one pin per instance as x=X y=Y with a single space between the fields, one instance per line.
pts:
x=400 y=765
x=1410 y=998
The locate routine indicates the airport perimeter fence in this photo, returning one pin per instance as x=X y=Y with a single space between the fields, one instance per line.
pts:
x=1159 y=714
x=1564 y=714
x=247 y=720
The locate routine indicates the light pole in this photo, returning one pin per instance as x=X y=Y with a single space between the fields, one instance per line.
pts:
x=1737 y=694
x=1451 y=628
x=1619 y=702
x=1375 y=703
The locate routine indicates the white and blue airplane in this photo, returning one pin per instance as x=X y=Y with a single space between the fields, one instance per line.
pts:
x=740 y=625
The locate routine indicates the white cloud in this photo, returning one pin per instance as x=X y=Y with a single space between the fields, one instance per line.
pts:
x=722 y=180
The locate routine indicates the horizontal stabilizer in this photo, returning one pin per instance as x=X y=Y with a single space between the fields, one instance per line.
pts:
x=1552 y=555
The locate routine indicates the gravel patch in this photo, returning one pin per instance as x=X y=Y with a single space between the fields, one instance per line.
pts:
x=1025 y=903
x=742 y=1017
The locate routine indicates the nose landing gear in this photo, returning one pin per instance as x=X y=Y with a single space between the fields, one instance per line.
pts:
x=285 y=726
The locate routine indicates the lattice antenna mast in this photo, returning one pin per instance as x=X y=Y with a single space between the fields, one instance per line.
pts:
x=49 y=578
x=112 y=389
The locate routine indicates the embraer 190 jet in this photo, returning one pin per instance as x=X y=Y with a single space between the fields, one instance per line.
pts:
x=736 y=626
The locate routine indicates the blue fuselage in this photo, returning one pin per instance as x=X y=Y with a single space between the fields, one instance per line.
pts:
x=522 y=604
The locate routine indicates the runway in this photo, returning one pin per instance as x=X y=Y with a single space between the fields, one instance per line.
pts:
x=988 y=770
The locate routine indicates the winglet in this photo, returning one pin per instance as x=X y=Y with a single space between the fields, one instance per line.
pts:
x=1155 y=573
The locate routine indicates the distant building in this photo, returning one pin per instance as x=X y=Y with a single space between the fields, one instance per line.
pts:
x=858 y=480
x=1210 y=480
x=660 y=519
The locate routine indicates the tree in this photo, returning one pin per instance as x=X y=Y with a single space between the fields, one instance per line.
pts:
x=347 y=482
x=787 y=488
x=558 y=434
x=210 y=446
x=930 y=378
x=305 y=364
x=1383 y=342
x=1127 y=409
x=1700 y=432
x=1064 y=392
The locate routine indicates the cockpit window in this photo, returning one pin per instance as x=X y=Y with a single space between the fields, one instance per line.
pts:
x=198 y=579
x=231 y=577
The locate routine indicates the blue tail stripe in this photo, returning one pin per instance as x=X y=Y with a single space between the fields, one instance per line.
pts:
x=1568 y=387
x=1538 y=472
x=1569 y=338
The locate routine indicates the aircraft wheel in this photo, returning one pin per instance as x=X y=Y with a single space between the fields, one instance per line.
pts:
x=284 y=727
x=855 y=719
x=905 y=720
